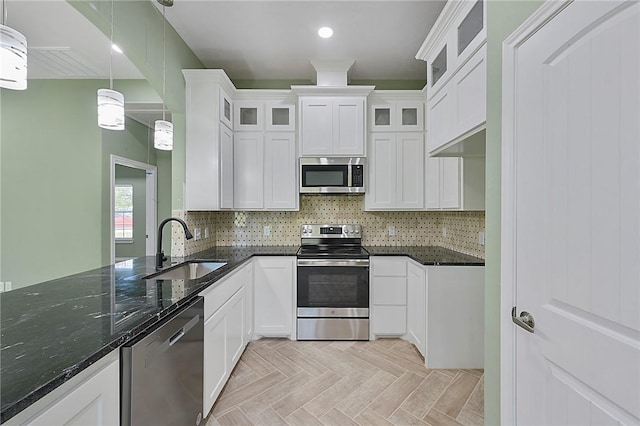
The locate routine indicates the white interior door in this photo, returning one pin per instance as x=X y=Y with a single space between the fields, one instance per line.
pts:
x=571 y=218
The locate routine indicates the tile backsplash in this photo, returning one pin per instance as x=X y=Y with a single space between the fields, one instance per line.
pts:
x=411 y=228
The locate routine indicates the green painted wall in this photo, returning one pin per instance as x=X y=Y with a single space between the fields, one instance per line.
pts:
x=503 y=17
x=54 y=179
x=137 y=178
x=138 y=30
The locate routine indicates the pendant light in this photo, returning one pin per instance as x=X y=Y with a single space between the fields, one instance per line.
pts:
x=163 y=135
x=13 y=56
x=110 y=102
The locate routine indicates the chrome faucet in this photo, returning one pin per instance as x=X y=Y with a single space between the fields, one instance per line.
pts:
x=160 y=257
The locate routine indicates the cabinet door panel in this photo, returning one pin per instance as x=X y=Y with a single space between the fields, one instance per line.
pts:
x=248 y=154
x=410 y=115
x=235 y=327
x=471 y=94
x=280 y=117
x=216 y=364
x=226 y=109
x=316 y=132
x=389 y=320
x=226 y=168
x=410 y=171
x=381 y=193
x=248 y=115
x=348 y=122
x=417 y=306
x=450 y=183
x=389 y=291
x=273 y=296
x=440 y=119
x=280 y=184
x=432 y=192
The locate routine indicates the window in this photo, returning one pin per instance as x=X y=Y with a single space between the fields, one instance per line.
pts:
x=123 y=212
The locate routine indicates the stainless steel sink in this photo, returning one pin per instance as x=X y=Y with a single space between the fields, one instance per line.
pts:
x=187 y=271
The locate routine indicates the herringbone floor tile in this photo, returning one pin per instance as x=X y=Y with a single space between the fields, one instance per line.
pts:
x=383 y=382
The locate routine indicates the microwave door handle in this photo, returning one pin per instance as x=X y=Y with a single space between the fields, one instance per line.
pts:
x=349 y=176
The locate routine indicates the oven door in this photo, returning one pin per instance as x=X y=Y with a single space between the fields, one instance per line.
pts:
x=333 y=288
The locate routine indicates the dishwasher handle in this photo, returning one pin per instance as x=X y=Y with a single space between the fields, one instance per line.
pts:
x=161 y=348
x=173 y=339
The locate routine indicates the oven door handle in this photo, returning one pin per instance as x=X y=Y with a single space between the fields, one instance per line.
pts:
x=334 y=262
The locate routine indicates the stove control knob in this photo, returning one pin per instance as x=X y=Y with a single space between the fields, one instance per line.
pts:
x=357 y=232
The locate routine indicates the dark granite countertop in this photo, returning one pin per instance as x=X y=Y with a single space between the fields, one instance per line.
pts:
x=53 y=330
x=427 y=255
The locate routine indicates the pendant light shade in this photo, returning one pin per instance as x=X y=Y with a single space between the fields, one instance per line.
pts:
x=13 y=59
x=163 y=135
x=110 y=109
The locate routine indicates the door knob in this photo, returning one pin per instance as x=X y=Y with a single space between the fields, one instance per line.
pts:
x=525 y=320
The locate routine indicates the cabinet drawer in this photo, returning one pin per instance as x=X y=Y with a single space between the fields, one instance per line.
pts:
x=389 y=291
x=216 y=296
x=389 y=320
x=389 y=267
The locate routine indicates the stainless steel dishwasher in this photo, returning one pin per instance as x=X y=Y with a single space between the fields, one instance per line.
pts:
x=162 y=373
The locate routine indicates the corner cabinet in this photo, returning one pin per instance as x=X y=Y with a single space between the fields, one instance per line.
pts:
x=388 y=296
x=209 y=139
x=332 y=120
x=455 y=183
x=455 y=51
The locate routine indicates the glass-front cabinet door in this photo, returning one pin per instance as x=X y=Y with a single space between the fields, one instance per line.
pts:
x=439 y=66
x=280 y=116
x=410 y=115
x=248 y=115
x=382 y=117
x=226 y=109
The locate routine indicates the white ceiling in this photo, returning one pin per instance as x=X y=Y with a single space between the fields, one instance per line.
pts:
x=257 y=40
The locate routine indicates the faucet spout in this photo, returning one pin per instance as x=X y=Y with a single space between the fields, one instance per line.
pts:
x=160 y=257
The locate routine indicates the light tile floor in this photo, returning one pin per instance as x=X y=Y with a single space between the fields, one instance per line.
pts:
x=383 y=382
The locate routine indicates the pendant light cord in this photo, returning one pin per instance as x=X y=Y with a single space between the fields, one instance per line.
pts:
x=110 y=50
x=164 y=60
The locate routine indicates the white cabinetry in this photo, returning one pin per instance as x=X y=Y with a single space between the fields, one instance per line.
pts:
x=416 y=306
x=264 y=161
x=396 y=171
x=90 y=398
x=455 y=51
x=389 y=295
x=225 y=330
x=455 y=183
x=394 y=116
x=209 y=154
x=248 y=170
x=455 y=317
x=274 y=281
x=332 y=120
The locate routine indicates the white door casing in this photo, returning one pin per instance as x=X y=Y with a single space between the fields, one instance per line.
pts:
x=571 y=215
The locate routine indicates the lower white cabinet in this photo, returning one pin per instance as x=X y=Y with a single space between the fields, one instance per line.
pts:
x=416 y=306
x=225 y=331
x=389 y=295
x=91 y=398
x=274 y=281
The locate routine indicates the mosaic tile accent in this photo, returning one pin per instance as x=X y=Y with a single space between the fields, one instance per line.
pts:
x=412 y=228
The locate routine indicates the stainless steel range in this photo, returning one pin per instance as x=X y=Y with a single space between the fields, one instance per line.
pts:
x=333 y=284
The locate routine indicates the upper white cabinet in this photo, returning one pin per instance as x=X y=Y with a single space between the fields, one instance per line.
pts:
x=264 y=151
x=455 y=183
x=455 y=51
x=332 y=120
x=209 y=138
x=394 y=116
x=396 y=171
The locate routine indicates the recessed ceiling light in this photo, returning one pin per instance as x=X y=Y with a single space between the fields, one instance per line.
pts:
x=116 y=48
x=325 y=32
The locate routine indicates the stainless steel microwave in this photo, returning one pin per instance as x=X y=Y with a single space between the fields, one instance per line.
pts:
x=332 y=175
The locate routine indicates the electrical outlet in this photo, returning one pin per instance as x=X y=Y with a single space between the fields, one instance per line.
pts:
x=197 y=234
x=392 y=230
x=267 y=231
x=5 y=286
x=444 y=232
x=206 y=232
x=481 y=238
